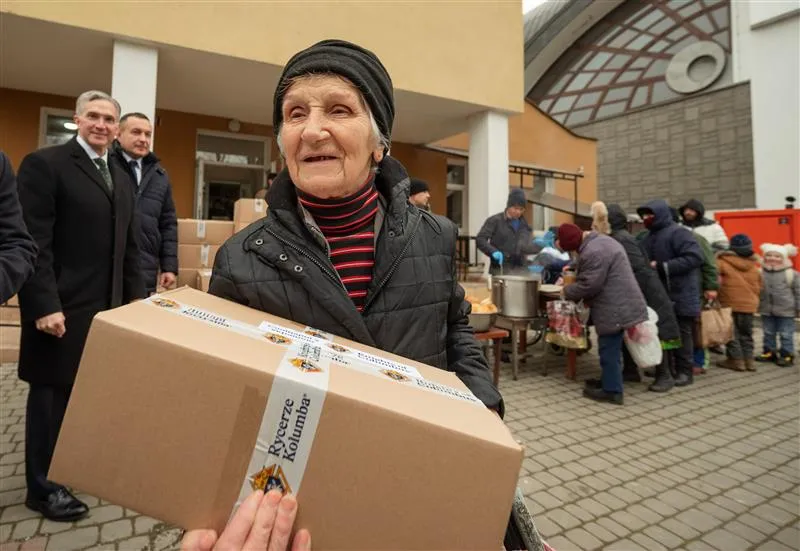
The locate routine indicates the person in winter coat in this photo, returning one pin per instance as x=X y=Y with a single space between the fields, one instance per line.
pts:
x=709 y=287
x=656 y=296
x=741 y=286
x=506 y=238
x=605 y=282
x=17 y=248
x=341 y=249
x=677 y=257
x=693 y=214
x=780 y=303
x=158 y=223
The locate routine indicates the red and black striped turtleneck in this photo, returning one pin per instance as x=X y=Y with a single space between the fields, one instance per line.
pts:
x=348 y=226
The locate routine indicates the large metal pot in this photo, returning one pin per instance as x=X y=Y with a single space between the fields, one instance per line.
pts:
x=516 y=296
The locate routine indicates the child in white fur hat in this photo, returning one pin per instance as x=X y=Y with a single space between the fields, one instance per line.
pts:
x=780 y=303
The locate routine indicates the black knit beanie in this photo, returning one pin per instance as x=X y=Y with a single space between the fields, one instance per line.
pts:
x=356 y=64
x=516 y=198
x=742 y=245
x=417 y=186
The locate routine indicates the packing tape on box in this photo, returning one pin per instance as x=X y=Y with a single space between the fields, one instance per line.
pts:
x=201 y=229
x=332 y=352
x=205 y=251
x=260 y=205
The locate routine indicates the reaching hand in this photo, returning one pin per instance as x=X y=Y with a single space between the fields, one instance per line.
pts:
x=261 y=522
x=711 y=295
x=498 y=257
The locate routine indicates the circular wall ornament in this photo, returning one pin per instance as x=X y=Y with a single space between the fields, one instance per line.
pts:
x=677 y=76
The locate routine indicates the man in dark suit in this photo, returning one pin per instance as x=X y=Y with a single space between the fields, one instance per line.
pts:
x=80 y=210
x=158 y=223
x=17 y=247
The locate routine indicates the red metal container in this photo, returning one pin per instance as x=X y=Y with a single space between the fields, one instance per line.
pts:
x=764 y=226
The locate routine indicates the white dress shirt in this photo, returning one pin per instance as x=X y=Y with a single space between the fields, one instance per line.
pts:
x=136 y=164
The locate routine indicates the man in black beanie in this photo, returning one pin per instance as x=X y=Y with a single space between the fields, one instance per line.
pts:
x=506 y=237
x=419 y=194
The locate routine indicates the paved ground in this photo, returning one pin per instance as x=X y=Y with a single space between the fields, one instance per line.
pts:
x=715 y=466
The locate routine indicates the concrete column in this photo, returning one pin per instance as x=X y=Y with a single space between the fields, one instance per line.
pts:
x=134 y=77
x=487 y=171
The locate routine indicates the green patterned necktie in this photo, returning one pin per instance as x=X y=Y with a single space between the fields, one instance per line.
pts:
x=103 y=167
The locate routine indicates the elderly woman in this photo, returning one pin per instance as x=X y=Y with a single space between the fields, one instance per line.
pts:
x=341 y=249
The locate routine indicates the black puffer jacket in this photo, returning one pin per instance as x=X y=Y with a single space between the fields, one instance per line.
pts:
x=158 y=223
x=415 y=307
x=653 y=290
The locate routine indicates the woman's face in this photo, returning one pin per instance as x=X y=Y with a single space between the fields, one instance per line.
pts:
x=327 y=137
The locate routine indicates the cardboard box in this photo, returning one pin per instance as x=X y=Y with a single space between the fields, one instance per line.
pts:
x=185 y=400
x=187 y=277
x=247 y=211
x=197 y=256
x=198 y=232
x=203 y=280
x=239 y=227
x=9 y=315
x=9 y=344
x=13 y=301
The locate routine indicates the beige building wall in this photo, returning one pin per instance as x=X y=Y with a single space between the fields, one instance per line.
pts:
x=455 y=50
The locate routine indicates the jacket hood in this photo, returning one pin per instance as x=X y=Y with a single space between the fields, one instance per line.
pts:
x=617 y=217
x=700 y=209
x=660 y=209
x=743 y=264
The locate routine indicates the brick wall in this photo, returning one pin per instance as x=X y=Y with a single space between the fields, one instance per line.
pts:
x=699 y=147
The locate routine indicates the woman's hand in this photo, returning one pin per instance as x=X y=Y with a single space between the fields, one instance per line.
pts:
x=262 y=522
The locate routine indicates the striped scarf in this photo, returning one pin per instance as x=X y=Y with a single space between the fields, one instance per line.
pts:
x=348 y=226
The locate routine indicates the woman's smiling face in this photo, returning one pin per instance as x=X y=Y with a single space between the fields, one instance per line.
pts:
x=328 y=137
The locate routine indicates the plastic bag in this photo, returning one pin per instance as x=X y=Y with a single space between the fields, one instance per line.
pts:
x=566 y=327
x=643 y=342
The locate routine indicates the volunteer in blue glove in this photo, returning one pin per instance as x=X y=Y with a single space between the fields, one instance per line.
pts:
x=506 y=237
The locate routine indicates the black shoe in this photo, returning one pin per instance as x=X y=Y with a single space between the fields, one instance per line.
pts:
x=649 y=373
x=684 y=380
x=593 y=383
x=717 y=350
x=767 y=357
x=600 y=395
x=785 y=360
x=59 y=506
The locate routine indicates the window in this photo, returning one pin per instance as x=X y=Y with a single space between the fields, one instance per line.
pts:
x=457 y=192
x=55 y=126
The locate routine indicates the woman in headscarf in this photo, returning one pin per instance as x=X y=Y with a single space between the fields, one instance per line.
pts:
x=341 y=249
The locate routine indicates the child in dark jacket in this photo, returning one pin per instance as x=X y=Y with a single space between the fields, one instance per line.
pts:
x=740 y=289
x=780 y=303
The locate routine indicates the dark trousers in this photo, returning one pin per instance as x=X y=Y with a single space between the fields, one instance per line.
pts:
x=46 y=407
x=741 y=347
x=775 y=326
x=610 y=355
x=684 y=356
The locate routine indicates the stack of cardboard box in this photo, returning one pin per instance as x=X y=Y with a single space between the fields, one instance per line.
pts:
x=247 y=211
x=198 y=243
x=9 y=331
